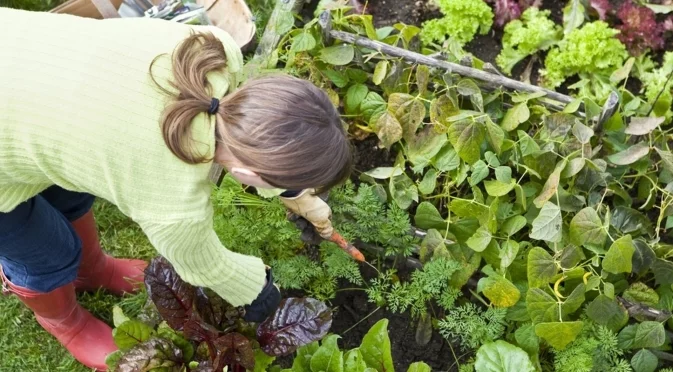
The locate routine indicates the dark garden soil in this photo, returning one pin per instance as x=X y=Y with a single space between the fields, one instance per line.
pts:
x=354 y=315
x=369 y=156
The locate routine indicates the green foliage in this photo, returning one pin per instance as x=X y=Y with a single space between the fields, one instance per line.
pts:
x=252 y=225
x=592 y=52
x=596 y=349
x=364 y=214
x=373 y=355
x=430 y=283
x=472 y=326
x=462 y=20
x=500 y=356
x=654 y=82
x=526 y=36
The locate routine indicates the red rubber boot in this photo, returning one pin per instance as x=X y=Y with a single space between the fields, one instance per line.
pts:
x=88 y=339
x=98 y=270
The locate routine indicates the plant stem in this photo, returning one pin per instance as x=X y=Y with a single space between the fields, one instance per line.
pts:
x=361 y=320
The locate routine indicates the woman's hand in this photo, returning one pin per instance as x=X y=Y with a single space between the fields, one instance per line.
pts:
x=266 y=302
x=311 y=215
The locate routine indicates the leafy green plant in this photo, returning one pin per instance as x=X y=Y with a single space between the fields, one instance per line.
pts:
x=526 y=36
x=199 y=331
x=373 y=354
x=593 y=53
x=462 y=19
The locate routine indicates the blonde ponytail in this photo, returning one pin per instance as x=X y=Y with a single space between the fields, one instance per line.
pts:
x=192 y=60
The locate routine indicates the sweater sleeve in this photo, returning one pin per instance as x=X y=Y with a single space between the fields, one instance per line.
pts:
x=198 y=256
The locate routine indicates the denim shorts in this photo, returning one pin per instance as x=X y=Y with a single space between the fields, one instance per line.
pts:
x=39 y=249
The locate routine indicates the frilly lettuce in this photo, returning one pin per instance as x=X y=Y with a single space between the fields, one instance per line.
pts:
x=526 y=36
x=592 y=52
x=462 y=20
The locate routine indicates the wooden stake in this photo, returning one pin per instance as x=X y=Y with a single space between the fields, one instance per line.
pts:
x=489 y=78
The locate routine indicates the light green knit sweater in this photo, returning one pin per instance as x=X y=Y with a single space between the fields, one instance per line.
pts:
x=78 y=109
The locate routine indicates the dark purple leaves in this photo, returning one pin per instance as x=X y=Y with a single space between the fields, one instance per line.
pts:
x=505 y=11
x=508 y=10
x=155 y=353
x=172 y=296
x=234 y=349
x=639 y=29
x=214 y=310
x=297 y=322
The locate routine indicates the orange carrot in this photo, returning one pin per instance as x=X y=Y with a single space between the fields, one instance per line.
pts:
x=346 y=246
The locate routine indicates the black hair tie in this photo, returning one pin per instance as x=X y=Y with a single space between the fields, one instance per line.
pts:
x=214 y=106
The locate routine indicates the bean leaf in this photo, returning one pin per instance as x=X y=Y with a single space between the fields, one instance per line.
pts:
x=172 y=296
x=508 y=253
x=496 y=137
x=541 y=267
x=500 y=291
x=666 y=158
x=480 y=240
x=422 y=148
x=644 y=361
x=515 y=116
x=303 y=42
x=354 y=97
x=642 y=126
x=559 y=334
x=551 y=186
x=586 y=228
x=619 y=256
x=428 y=217
x=479 y=172
x=338 y=55
x=297 y=322
x=497 y=188
x=607 y=312
x=648 y=334
x=380 y=72
x=388 y=129
x=466 y=137
x=582 y=133
x=403 y=191
x=547 y=225
x=501 y=356
x=514 y=225
x=429 y=182
x=541 y=306
x=384 y=173
x=447 y=159
x=422 y=78
x=630 y=155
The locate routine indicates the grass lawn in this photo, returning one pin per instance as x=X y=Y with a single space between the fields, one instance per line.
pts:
x=26 y=347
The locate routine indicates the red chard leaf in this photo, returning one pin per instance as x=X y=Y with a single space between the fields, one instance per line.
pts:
x=234 y=349
x=172 y=296
x=297 y=322
x=214 y=310
x=153 y=354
